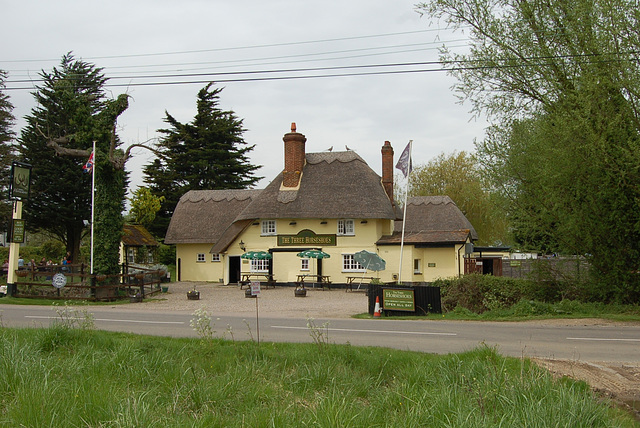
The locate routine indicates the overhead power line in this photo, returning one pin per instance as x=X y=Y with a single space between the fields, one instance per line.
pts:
x=295 y=73
x=236 y=48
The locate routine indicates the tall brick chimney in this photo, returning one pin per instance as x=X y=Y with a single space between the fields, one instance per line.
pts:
x=387 y=170
x=294 y=157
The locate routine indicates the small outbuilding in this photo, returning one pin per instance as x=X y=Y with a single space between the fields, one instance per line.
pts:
x=137 y=245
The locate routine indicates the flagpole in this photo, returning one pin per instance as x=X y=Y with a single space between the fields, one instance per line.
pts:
x=93 y=190
x=404 y=214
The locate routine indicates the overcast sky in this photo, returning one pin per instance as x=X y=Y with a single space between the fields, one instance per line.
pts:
x=136 y=41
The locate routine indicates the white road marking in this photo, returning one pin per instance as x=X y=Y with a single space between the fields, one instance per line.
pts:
x=602 y=339
x=369 y=331
x=112 y=320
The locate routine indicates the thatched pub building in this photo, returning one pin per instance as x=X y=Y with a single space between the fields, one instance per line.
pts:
x=331 y=201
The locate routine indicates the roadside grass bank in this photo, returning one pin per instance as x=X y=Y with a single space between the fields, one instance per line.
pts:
x=69 y=377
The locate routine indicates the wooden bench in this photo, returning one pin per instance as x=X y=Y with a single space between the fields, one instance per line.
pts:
x=359 y=279
x=323 y=280
x=266 y=278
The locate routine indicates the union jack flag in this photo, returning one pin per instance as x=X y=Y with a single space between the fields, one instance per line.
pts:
x=88 y=167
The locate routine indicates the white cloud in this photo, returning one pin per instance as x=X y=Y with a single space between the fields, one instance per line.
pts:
x=359 y=111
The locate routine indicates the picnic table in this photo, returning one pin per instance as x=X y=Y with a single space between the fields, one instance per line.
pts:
x=352 y=279
x=262 y=277
x=323 y=280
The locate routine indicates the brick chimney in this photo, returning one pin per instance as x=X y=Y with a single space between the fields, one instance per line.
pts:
x=294 y=157
x=387 y=170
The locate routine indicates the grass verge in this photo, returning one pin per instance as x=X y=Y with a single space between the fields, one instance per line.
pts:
x=68 y=377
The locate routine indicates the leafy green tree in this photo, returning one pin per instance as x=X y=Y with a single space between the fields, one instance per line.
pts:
x=6 y=151
x=144 y=206
x=206 y=154
x=72 y=114
x=460 y=177
x=560 y=79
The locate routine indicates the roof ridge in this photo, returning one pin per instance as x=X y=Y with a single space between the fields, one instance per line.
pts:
x=434 y=200
x=329 y=157
x=218 y=195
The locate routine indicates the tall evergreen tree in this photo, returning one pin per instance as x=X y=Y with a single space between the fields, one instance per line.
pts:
x=72 y=114
x=60 y=192
x=6 y=151
x=206 y=154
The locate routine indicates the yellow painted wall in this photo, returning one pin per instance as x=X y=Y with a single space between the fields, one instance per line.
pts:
x=287 y=266
x=192 y=270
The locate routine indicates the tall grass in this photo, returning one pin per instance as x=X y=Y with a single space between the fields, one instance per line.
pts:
x=62 y=377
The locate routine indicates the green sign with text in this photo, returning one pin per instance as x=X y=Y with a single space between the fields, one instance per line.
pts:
x=306 y=237
x=17 y=232
x=397 y=299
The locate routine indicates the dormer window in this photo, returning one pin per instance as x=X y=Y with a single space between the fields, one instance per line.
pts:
x=268 y=227
x=346 y=227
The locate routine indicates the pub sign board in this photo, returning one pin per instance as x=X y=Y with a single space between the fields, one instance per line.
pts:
x=398 y=299
x=306 y=237
x=20 y=181
x=17 y=231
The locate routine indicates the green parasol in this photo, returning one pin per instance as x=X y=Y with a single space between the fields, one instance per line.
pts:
x=313 y=254
x=256 y=255
x=369 y=260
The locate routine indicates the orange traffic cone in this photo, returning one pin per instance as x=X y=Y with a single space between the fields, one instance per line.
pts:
x=376 y=309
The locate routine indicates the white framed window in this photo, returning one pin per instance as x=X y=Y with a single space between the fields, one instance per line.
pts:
x=346 y=227
x=268 y=227
x=150 y=258
x=215 y=257
x=350 y=265
x=131 y=255
x=200 y=258
x=417 y=266
x=259 y=265
x=304 y=264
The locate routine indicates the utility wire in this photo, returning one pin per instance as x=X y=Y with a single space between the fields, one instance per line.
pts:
x=458 y=65
x=307 y=42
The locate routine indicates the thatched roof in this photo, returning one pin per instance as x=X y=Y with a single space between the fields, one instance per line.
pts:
x=202 y=216
x=432 y=237
x=432 y=220
x=135 y=235
x=332 y=185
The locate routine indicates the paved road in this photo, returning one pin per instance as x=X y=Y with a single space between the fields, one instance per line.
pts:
x=606 y=342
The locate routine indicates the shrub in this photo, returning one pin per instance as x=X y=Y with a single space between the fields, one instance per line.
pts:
x=52 y=250
x=167 y=254
x=531 y=307
x=480 y=293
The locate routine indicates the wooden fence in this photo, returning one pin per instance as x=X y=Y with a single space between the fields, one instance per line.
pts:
x=546 y=268
x=38 y=282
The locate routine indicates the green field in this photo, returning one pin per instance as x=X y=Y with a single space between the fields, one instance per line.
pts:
x=65 y=376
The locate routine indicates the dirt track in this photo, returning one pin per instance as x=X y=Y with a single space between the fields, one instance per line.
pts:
x=619 y=381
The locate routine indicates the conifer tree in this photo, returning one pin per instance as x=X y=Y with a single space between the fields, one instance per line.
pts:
x=207 y=153
x=6 y=151
x=72 y=114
